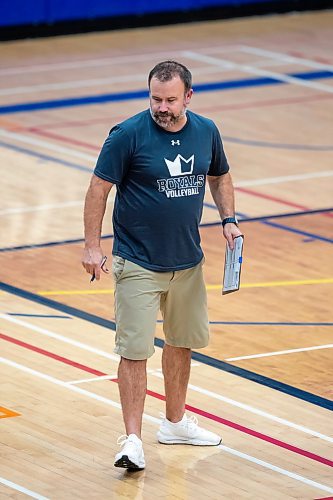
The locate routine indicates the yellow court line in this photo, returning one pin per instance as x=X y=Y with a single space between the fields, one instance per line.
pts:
x=5 y=413
x=279 y=283
x=108 y=291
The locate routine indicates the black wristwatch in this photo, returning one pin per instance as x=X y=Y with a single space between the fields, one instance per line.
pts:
x=229 y=220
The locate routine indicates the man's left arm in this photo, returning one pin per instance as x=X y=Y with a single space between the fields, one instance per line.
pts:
x=222 y=191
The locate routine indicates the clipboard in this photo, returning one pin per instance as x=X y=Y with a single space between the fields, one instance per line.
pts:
x=232 y=266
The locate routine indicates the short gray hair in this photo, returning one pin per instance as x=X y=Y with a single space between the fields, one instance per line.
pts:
x=167 y=70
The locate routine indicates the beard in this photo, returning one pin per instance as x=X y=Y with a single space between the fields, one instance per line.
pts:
x=167 y=119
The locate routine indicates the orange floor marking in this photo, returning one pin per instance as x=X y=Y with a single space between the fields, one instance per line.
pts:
x=5 y=413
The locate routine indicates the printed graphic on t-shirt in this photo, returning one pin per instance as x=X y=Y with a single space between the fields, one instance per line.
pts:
x=182 y=182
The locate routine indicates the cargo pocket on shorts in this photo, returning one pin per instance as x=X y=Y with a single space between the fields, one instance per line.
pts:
x=118 y=265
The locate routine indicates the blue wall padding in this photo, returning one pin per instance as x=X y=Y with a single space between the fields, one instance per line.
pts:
x=16 y=12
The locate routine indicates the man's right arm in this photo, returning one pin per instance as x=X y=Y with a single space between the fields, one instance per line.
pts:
x=94 y=209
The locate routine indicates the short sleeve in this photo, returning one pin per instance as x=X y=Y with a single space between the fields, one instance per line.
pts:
x=114 y=158
x=219 y=163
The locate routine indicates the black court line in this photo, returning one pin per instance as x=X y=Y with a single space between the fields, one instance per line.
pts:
x=202 y=358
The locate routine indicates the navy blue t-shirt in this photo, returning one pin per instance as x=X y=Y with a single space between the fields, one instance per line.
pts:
x=160 y=178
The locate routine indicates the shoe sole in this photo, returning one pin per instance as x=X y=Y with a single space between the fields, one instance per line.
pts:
x=188 y=441
x=126 y=463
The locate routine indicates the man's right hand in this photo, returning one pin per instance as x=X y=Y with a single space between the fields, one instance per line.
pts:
x=91 y=261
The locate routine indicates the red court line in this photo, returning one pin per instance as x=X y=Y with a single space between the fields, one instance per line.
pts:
x=75 y=142
x=63 y=138
x=193 y=409
x=277 y=200
x=227 y=107
x=263 y=103
x=304 y=56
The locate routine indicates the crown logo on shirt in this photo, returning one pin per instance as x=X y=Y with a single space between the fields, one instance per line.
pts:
x=180 y=166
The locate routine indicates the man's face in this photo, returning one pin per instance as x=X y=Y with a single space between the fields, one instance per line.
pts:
x=168 y=102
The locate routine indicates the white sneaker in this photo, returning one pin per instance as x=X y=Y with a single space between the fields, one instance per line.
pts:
x=131 y=454
x=186 y=431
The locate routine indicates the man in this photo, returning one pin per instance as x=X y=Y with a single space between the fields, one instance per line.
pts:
x=159 y=160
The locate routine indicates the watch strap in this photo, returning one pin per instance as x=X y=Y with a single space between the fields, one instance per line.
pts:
x=229 y=220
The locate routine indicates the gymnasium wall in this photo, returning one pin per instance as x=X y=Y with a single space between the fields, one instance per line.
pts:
x=44 y=17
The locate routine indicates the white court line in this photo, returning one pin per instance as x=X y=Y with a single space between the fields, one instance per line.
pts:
x=285 y=58
x=214 y=395
x=17 y=487
x=107 y=61
x=113 y=377
x=267 y=465
x=76 y=84
x=48 y=333
x=278 y=353
x=73 y=152
x=47 y=145
x=257 y=71
x=284 y=178
x=155 y=420
x=256 y=411
x=94 y=379
x=40 y=208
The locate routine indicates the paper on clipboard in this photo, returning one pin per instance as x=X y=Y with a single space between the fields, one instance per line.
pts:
x=232 y=266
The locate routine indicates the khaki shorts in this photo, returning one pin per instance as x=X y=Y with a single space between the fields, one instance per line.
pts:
x=140 y=293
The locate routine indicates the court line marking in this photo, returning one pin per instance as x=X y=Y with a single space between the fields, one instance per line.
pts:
x=44 y=157
x=150 y=418
x=257 y=71
x=225 y=85
x=285 y=58
x=109 y=291
x=75 y=84
x=196 y=410
x=115 y=357
x=6 y=413
x=62 y=338
x=102 y=61
x=202 y=358
x=47 y=145
x=70 y=151
x=115 y=377
x=40 y=208
x=40 y=131
x=256 y=411
x=270 y=55
x=278 y=353
x=243 y=218
x=267 y=465
x=22 y=489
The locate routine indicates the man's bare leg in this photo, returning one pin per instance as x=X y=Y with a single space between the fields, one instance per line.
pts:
x=176 y=365
x=132 y=381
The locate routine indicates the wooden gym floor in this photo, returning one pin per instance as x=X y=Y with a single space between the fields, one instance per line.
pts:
x=265 y=381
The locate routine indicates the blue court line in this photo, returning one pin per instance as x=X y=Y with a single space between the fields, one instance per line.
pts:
x=207 y=224
x=143 y=94
x=202 y=358
x=41 y=156
x=278 y=226
x=270 y=323
x=57 y=316
x=297 y=231
x=49 y=244
x=58 y=306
